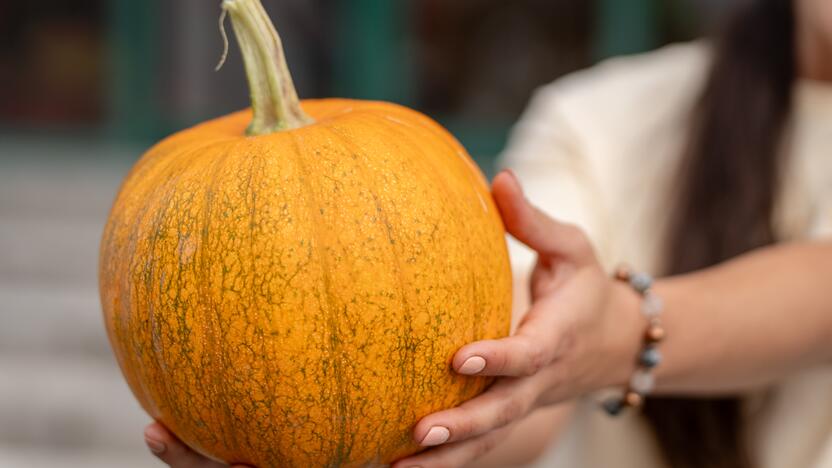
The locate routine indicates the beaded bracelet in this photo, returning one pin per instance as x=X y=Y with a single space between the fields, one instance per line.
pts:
x=642 y=381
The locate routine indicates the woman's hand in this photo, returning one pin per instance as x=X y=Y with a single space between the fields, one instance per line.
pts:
x=581 y=334
x=174 y=453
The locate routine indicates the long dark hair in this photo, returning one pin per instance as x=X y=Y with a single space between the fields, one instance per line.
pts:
x=728 y=182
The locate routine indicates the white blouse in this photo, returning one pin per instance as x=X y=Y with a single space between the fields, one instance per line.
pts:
x=600 y=148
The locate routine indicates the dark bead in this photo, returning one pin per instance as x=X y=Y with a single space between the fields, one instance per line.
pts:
x=650 y=357
x=613 y=406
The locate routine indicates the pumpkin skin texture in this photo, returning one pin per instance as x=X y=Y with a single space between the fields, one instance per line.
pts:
x=294 y=299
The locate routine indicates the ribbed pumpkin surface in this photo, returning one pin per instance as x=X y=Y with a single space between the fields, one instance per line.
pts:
x=294 y=299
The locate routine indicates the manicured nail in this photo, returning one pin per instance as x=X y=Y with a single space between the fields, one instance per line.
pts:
x=436 y=435
x=154 y=445
x=473 y=365
x=152 y=439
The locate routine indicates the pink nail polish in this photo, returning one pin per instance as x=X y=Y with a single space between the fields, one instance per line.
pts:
x=154 y=445
x=436 y=435
x=472 y=366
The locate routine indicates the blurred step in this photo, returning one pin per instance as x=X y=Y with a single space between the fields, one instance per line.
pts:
x=43 y=321
x=16 y=457
x=60 y=180
x=67 y=404
x=47 y=252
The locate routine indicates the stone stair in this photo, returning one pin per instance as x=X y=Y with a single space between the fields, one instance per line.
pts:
x=63 y=401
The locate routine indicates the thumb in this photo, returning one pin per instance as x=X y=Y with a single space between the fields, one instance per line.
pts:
x=529 y=225
x=168 y=448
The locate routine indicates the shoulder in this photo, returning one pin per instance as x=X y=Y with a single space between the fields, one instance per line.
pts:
x=667 y=67
x=625 y=93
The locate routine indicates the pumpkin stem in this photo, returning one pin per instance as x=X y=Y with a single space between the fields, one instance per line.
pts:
x=274 y=100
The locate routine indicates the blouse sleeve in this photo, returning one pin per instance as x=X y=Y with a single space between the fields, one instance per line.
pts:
x=546 y=154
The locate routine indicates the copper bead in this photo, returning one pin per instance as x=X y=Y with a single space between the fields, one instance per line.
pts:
x=633 y=399
x=655 y=333
x=623 y=273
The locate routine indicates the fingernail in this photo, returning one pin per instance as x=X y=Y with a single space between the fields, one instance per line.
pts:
x=152 y=439
x=472 y=365
x=511 y=173
x=436 y=435
x=154 y=445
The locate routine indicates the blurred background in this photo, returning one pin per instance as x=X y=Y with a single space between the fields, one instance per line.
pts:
x=86 y=86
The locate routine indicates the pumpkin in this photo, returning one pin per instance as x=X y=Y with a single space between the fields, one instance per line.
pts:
x=290 y=292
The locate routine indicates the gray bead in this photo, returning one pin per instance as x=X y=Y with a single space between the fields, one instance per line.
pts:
x=650 y=357
x=641 y=282
x=642 y=382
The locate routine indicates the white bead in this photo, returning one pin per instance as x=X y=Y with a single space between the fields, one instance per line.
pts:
x=651 y=305
x=642 y=382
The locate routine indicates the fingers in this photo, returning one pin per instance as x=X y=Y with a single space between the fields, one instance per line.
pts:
x=534 y=228
x=535 y=345
x=455 y=455
x=172 y=451
x=505 y=402
x=515 y=356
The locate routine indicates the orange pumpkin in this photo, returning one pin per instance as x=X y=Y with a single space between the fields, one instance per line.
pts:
x=292 y=295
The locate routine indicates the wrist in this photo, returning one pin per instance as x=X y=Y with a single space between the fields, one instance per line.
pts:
x=642 y=380
x=626 y=325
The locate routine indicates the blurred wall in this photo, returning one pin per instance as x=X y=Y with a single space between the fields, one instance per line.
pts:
x=135 y=71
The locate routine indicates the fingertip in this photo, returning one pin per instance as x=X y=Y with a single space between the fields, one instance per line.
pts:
x=156 y=431
x=483 y=358
x=514 y=356
x=472 y=365
x=155 y=437
x=431 y=431
x=475 y=358
x=420 y=430
x=437 y=435
x=506 y=186
x=507 y=176
x=515 y=210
